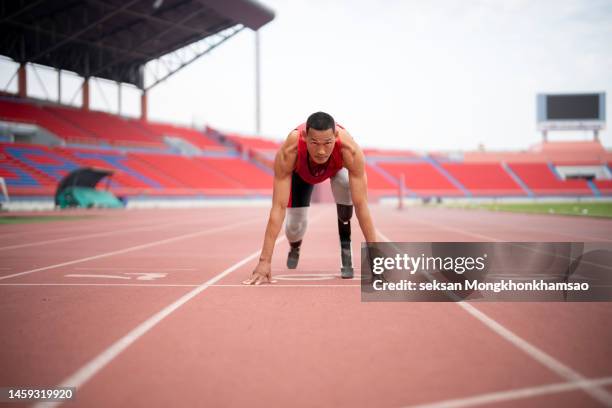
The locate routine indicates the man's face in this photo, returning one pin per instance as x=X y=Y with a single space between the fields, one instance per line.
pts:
x=320 y=144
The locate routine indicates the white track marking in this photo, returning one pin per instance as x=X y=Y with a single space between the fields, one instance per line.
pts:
x=518 y=393
x=99 y=234
x=90 y=369
x=79 y=275
x=131 y=249
x=131 y=268
x=146 y=276
x=459 y=231
x=600 y=394
x=490 y=238
x=115 y=223
x=105 y=222
x=524 y=228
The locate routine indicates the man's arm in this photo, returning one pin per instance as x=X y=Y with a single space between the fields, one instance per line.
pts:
x=284 y=163
x=354 y=161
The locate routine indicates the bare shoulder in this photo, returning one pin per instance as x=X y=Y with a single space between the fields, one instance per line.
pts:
x=352 y=155
x=286 y=156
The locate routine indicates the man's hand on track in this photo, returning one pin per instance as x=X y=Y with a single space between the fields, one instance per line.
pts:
x=261 y=274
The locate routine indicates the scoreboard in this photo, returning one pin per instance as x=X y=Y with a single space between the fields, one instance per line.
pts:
x=580 y=111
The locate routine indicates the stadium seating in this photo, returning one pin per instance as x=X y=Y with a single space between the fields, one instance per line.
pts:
x=32 y=170
x=194 y=137
x=240 y=171
x=591 y=151
x=542 y=181
x=189 y=172
x=390 y=153
x=124 y=175
x=108 y=128
x=22 y=112
x=422 y=178
x=484 y=179
x=377 y=181
x=144 y=164
x=113 y=129
x=243 y=143
x=604 y=186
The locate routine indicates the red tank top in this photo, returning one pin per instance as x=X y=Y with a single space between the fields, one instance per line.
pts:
x=325 y=171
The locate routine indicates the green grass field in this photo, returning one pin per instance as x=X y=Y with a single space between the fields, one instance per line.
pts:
x=588 y=209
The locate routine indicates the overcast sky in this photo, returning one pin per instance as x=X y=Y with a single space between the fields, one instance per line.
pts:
x=425 y=75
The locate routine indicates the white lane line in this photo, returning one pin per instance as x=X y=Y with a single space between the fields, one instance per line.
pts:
x=80 y=275
x=90 y=369
x=600 y=394
x=99 y=234
x=522 y=228
x=131 y=249
x=547 y=360
x=490 y=238
x=115 y=223
x=131 y=268
x=518 y=393
x=102 y=222
x=459 y=231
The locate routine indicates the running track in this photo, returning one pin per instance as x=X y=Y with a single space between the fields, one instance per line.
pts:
x=144 y=308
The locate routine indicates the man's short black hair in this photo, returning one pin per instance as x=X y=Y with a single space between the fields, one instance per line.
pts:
x=320 y=121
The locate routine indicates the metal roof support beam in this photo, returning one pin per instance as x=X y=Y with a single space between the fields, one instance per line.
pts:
x=197 y=56
x=143 y=105
x=154 y=19
x=40 y=81
x=59 y=86
x=132 y=52
x=149 y=39
x=119 y=98
x=22 y=81
x=10 y=81
x=85 y=94
x=21 y=10
x=88 y=26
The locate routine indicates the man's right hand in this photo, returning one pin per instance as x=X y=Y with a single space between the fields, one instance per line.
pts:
x=261 y=274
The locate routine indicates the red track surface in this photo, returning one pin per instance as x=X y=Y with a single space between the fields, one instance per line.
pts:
x=296 y=343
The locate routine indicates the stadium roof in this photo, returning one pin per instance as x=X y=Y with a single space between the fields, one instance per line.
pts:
x=113 y=39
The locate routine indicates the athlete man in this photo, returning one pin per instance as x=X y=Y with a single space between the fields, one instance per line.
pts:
x=313 y=152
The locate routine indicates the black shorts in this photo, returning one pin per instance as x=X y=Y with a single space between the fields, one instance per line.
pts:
x=301 y=192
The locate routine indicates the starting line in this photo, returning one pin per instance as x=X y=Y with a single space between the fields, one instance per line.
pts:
x=142 y=276
x=311 y=277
